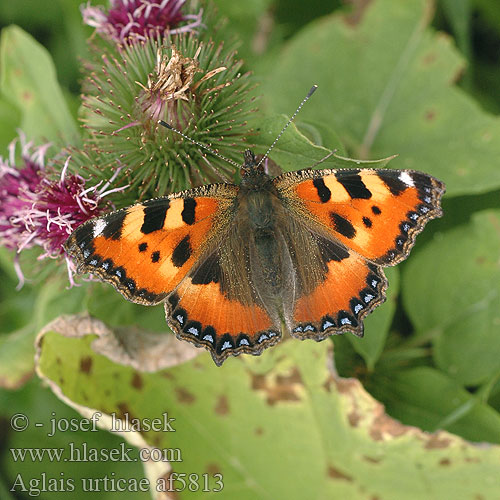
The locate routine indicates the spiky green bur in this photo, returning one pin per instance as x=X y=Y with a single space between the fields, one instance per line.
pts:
x=195 y=87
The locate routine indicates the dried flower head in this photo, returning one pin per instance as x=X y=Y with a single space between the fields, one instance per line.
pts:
x=171 y=83
x=129 y=21
x=195 y=87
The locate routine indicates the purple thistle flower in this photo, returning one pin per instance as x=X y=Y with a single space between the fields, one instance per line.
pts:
x=38 y=211
x=16 y=184
x=131 y=20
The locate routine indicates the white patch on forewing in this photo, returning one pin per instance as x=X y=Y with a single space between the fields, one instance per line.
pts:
x=99 y=227
x=406 y=178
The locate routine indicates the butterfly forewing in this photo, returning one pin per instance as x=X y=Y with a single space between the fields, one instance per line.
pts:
x=146 y=250
x=377 y=213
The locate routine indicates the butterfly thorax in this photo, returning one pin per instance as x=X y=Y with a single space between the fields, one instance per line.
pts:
x=256 y=240
x=257 y=200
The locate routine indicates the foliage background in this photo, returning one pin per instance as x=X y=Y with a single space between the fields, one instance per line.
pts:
x=414 y=78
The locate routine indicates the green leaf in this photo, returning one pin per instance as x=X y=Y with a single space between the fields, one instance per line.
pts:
x=28 y=81
x=104 y=302
x=284 y=408
x=43 y=303
x=295 y=151
x=249 y=24
x=377 y=324
x=386 y=87
x=10 y=119
x=458 y=12
x=431 y=400
x=16 y=357
x=451 y=291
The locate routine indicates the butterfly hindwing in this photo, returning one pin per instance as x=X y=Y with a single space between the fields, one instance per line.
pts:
x=201 y=312
x=351 y=288
x=377 y=213
x=146 y=250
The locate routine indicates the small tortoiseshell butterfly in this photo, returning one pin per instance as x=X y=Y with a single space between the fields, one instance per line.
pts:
x=238 y=266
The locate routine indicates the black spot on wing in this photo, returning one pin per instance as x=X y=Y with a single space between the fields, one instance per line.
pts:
x=342 y=225
x=353 y=184
x=84 y=236
x=376 y=210
x=173 y=300
x=182 y=252
x=367 y=222
x=155 y=256
x=324 y=193
x=373 y=280
x=188 y=213
x=143 y=247
x=114 y=225
x=391 y=179
x=155 y=212
x=193 y=328
x=209 y=335
x=209 y=271
x=224 y=342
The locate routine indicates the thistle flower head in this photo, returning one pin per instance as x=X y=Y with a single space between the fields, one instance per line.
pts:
x=17 y=180
x=195 y=87
x=128 y=21
x=39 y=210
x=57 y=208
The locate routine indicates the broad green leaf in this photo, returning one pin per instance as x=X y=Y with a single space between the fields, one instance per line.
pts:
x=377 y=324
x=458 y=13
x=16 y=357
x=451 y=291
x=105 y=303
x=9 y=118
x=28 y=81
x=431 y=400
x=295 y=151
x=34 y=307
x=249 y=23
x=386 y=87
x=324 y=436
x=320 y=134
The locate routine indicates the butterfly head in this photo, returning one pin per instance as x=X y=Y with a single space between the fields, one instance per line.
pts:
x=252 y=172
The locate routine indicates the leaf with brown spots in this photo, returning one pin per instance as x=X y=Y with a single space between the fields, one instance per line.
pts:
x=288 y=409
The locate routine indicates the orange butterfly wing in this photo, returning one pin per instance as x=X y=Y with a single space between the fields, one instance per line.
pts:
x=374 y=215
x=146 y=250
x=160 y=251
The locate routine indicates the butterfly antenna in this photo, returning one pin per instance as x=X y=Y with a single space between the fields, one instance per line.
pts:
x=166 y=125
x=309 y=94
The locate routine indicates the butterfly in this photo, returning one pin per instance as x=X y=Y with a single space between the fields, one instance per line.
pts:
x=238 y=266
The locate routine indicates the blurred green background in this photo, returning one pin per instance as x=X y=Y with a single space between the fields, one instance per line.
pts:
x=416 y=78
